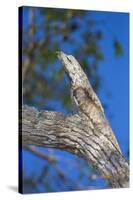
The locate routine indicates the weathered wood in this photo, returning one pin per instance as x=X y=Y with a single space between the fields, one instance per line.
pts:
x=86 y=134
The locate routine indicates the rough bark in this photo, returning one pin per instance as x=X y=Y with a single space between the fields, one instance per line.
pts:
x=86 y=133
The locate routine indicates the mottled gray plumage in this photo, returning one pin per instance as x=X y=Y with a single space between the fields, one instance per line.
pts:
x=86 y=134
x=78 y=78
x=84 y=98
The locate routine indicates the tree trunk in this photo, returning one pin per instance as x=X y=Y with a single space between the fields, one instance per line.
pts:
x=86 y=133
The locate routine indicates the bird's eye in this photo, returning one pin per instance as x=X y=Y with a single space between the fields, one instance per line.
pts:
x=69 y=59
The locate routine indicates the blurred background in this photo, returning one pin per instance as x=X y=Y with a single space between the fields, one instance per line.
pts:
x=100 y=42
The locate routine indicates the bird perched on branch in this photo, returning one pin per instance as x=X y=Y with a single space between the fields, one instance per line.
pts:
x=84 y=98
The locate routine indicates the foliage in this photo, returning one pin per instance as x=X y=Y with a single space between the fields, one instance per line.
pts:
x=117 y=48
x=45 y=31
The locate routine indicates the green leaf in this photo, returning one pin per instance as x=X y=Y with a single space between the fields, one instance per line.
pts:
x=99 y=56
x=66 y=101
x=90 y=49
x=58 y=74
x=117 y=48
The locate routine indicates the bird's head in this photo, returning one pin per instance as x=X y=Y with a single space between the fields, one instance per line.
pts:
x=73 y=70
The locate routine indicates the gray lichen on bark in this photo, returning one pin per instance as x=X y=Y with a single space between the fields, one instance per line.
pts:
x=86 y=133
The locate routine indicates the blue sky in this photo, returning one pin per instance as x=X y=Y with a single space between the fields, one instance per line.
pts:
x=115 y=81
x=115 y=73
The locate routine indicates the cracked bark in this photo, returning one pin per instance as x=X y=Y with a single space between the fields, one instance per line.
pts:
x=86 y=133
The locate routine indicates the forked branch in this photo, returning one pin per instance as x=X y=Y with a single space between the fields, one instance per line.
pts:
x=86 y=134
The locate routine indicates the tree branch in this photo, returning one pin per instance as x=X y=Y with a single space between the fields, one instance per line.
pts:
x=86 y=134
x=49 y=158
